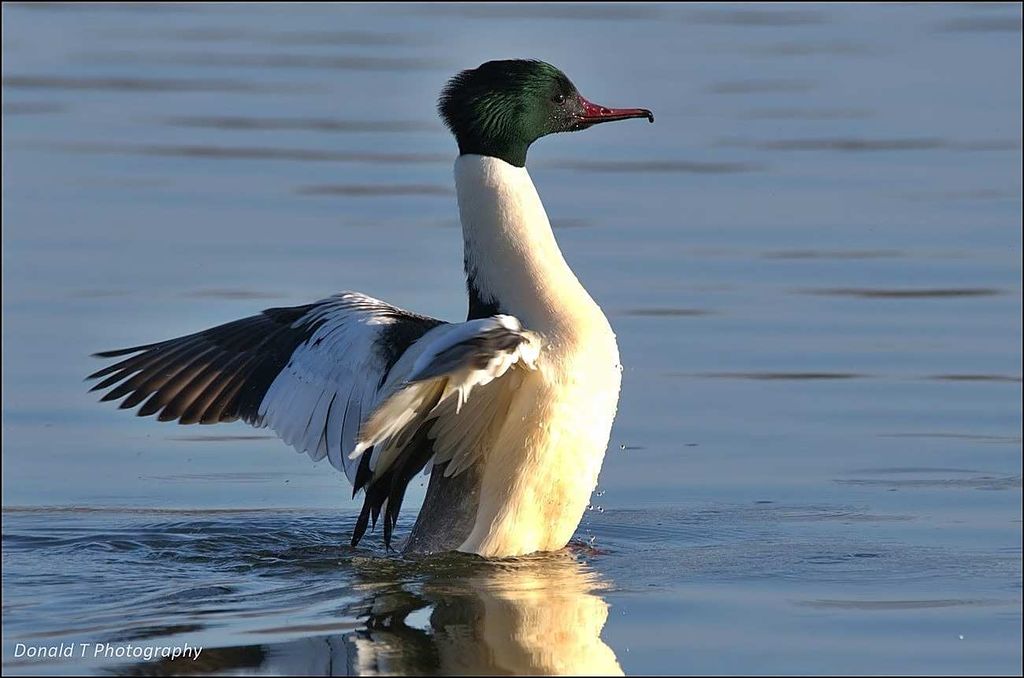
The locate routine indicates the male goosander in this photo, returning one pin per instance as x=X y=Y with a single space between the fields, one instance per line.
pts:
x=512 y=408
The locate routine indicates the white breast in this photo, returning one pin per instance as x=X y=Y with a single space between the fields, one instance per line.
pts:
x=543 y=463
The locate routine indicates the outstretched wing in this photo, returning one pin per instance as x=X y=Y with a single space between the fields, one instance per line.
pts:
x=308 y=372
x=350 y=378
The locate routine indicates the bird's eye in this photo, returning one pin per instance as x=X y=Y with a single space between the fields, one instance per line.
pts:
x=558 y=98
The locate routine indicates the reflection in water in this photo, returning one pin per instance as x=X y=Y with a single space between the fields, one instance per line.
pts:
x=538 y=615
x=534 y=616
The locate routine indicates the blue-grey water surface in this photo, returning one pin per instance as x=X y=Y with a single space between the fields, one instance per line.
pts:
x=812 y=261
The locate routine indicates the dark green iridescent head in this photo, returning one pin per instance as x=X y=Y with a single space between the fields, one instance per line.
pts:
x=501 y=107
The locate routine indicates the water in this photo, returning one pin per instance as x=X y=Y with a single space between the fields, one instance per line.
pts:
x=812 y=261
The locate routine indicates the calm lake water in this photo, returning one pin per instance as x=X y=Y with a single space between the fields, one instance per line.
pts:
x=812 y=261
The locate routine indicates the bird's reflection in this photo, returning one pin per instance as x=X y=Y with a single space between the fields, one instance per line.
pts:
x=537 y=616
x=449 y=615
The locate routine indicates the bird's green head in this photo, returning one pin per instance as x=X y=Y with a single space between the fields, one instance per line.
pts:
x=501 y=107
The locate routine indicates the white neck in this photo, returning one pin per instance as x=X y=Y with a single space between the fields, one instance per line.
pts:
x=512 y=258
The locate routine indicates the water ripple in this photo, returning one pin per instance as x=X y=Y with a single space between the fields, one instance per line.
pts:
x=218 y=293
x=805 y=114
x=779 y=376
x=920 y=293
x=218 y=438
x=247 y=123
x=263 y=61
x=588 y=11
x=232 y=34
x=770 y=18
x=120 y=576
x=980 y=24
x=126 y=84
x=655 y=166
x=245 y=153
x=976 y=377
x=861 y=145
x=375 y=190
x=1016 y=440
x=834 y=254
x=33 y=107
x=761 y=86
x=801 y=49
x=902 y=604
x=665 y=312
x=987 y=482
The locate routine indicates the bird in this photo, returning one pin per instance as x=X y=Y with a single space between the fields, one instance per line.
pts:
x=510 y=411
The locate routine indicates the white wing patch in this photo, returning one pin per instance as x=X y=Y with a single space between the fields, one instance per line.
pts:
x=331 y=381
x=331 y=399
x=450 y=365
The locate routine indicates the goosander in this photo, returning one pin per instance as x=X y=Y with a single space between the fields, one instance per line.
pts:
x=510 y=411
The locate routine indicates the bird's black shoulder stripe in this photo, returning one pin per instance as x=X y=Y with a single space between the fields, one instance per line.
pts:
x=396 y=338
x=479 y=306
